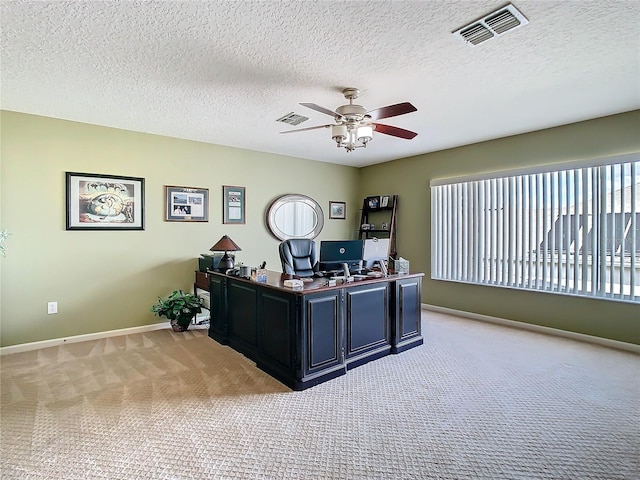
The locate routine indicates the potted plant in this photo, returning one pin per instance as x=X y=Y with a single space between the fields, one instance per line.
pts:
x=179 y=308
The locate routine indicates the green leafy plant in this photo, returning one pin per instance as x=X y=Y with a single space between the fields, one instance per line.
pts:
x=179 y=308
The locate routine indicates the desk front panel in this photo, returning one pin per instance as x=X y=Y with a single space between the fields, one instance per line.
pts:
x=367 y=320
x=218 y=325
x=242 y=315
x=406 y=325
x=323 y=331
x=277 y=331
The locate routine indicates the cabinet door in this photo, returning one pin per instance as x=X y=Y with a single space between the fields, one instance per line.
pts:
x=322 y=335
x=407 y=309
x=242 y=314
x=367 y=321
x=218 y=327
x=277 y=330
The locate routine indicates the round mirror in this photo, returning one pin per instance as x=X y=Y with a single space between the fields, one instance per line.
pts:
x=295 y=216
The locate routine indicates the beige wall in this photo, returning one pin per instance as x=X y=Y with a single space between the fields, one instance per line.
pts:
x=410 y=178
x=105 y=280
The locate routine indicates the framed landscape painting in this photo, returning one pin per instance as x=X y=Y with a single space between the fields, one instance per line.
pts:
x=338 y=210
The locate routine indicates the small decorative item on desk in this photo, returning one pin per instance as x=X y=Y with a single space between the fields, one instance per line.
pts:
x=400 y=265
x=245 y=271
x=179 y=308
x=259 y=274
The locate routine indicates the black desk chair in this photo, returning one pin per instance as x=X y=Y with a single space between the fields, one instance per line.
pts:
x=299 y=257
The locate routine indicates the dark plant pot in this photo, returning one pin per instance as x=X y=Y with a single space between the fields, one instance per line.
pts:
x=178 y=328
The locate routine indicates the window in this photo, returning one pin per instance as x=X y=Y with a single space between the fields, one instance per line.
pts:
x=573 y=230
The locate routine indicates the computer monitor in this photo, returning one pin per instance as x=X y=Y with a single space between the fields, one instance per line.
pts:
x=333 y=253
x=376 y=250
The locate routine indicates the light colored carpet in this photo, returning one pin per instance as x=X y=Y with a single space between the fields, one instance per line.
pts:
x=477 y=401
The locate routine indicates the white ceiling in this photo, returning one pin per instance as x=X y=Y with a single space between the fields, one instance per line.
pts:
x=222 y=72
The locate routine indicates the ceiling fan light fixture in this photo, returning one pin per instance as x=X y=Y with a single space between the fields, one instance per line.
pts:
x=339 y=133
x=364 y=134
x=354 y=126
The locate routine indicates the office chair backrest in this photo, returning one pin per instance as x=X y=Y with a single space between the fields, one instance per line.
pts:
x=299 y=257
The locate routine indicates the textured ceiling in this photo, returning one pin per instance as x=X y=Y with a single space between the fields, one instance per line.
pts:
x=222 y=72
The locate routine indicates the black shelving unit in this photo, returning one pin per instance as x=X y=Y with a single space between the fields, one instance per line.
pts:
x=378 y=210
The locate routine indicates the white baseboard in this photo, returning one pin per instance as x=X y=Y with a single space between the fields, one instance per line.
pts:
x=629 y=347
x=25 y=347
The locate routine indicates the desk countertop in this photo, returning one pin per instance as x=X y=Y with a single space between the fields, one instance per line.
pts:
x=276 y=280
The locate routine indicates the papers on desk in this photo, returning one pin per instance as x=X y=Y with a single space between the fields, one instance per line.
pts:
x=293 y=283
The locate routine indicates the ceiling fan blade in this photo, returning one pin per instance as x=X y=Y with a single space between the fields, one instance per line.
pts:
x=392 y=111
x=320 y=109
x=308 y=128
x=394 y=131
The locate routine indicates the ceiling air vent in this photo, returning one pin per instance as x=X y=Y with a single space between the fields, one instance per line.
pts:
x=496 y=23
x=292 y=119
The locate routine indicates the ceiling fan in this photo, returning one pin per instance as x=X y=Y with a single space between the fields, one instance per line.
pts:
x=354 y=125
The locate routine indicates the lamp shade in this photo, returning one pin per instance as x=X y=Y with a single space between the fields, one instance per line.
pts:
x=225 y=244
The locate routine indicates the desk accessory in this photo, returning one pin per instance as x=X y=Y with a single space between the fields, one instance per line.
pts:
x=294 y=283
x=400 y=265
x=225 y=244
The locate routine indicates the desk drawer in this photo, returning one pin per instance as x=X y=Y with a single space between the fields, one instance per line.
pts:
x=202 y=281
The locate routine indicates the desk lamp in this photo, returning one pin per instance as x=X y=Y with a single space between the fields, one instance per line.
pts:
x=225 y=244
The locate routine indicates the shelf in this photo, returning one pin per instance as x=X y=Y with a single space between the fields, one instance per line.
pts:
x=380 y=215
x=380 y=209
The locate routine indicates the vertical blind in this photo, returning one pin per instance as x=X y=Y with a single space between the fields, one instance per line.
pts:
x=568 y=230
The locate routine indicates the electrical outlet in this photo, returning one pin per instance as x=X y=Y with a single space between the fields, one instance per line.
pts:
x=52 y=307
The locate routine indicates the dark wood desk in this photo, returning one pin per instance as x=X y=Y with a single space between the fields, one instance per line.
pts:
x=307 y=336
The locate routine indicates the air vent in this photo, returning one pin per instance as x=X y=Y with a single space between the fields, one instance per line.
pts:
x=292 y=119
x=496 y=23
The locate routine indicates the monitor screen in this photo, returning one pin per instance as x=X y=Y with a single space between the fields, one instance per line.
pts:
x=375 y=249
x=333 y=253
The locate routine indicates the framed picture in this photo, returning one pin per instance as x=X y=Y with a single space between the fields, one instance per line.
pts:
x=338 y=210
x=104 y=202
x=373 y=202
x=384 y=201
x=186 y=204
x=233 y=204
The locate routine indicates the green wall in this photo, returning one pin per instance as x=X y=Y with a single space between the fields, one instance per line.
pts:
x=410 y=177
x=105 y=280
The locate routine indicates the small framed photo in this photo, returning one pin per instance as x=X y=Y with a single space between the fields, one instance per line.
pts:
x=233 y=205
x=384 y=201
x=104 y=202
x=373 y=202
x=186 y=204
x=338 y=210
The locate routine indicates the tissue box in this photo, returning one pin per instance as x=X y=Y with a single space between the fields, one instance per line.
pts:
x=400 y=265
